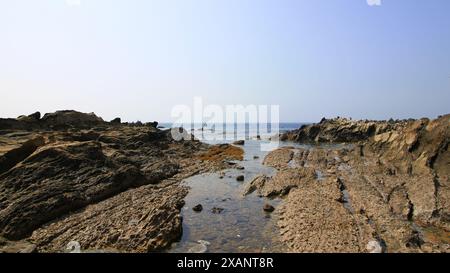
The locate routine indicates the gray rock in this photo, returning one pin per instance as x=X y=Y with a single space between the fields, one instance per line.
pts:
x=116 y=121
x=268 y=208
x=239 y=142
x=197 y=208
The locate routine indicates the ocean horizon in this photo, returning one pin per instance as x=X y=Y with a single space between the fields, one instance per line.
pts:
x=235 y=131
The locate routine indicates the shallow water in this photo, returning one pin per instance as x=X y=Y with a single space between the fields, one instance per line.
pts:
x=242 y=225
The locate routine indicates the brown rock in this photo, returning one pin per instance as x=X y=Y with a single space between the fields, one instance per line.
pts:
x=239 y=142
x=217 y=210
x=109 y=187
x=339 y=130
x=7 y=246
x=268 y=208
x=223 y=152
x=397 y=174
x=240 y=178
x=70 y=118
x=14 y=156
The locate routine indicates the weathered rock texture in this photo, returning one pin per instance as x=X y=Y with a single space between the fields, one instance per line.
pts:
x=390 y=186
x=73 y=177
x=340 y=130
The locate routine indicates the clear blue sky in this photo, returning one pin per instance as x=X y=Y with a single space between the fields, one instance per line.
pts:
x=136 y=59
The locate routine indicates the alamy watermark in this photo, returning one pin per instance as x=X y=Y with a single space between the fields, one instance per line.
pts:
x=215 y=123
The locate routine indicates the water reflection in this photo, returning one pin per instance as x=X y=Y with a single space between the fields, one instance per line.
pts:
x=241 y=225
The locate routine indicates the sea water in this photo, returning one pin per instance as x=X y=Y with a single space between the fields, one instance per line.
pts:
x=242 y=225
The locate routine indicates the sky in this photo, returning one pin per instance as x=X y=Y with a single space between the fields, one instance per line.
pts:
x=137 y=59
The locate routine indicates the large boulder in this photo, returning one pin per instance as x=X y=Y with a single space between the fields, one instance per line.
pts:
x=70 y=118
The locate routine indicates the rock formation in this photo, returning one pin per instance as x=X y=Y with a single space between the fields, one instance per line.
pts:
x=388 y=188
x=71 y=176
x=340 y=130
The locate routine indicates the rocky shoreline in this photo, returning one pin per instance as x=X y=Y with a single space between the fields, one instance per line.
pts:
x=106 y=186
x=363 y=186
x=71 y=180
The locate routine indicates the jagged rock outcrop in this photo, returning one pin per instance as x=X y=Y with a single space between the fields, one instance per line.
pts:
x=340 y=130
x=70 y=118
x=55 y=121
x=109 y=186
x=389 y=188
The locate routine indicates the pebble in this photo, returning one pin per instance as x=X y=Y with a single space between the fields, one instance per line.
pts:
x=374 y=247
x=198 y=208
x=268 y=208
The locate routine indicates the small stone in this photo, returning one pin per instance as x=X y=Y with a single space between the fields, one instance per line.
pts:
x=203 y=242
x=239 y=142
x=256 y=157
x=198 y=208
x=240 y=167
x=240 y=178
x=374 y=247
x=231 y=163
x=268 y=208
x=216 y=210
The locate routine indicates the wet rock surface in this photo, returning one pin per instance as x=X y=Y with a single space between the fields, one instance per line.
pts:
x=70 y=176
x=23 y=246
x=385 y=192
